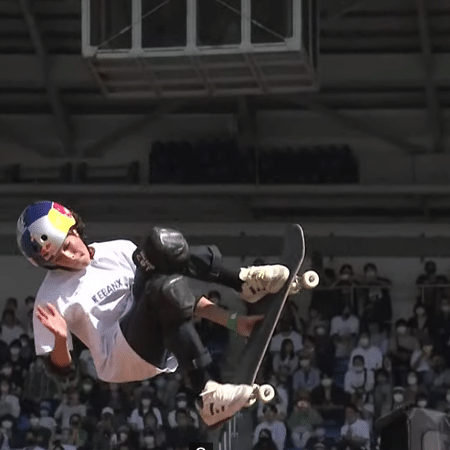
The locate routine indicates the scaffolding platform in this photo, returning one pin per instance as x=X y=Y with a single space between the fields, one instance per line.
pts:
x=180 y=54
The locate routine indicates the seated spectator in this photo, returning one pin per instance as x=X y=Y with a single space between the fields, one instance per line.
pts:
x=422 y=400
x=281 y=400
x=70 y=404
x=46 y=420
x=382 y=394
x=375 y=297
x=116 y=398
x=344 y=330
x=78 y=435
x=149 y=441
x=151 y=423
x=398 y=397
x=412 y=390
x=19 y=366
x=387 y=367
x=443 y=404
x=402 y=346
x=9 y=433
x=329 y=400
x=9 y=403
x=285 y=331
x=371 y=354
x=39 y=383
x=303 y=420
x=286 y=357
x=42 y=434
x=27 y=352
x=378 y=336
x=7 y=373
x=421 y=359
x=31 y=441
x=437 y=379
x=319 y=438
x=315 y=319
x=441 y=330
x=364 y=403
x=309 y=350
x=345 y=286
x=324 y=347
x=87 y=366
x=358 y=377
x=105 y=430
x=429 y=291
x=184 y=432
x=307 y=377
x=124 y=436
x=146 y=404
x=181 y=402
x=10 y=329
x=265 y=441
x=355 y=432
x=11 y=303
x=276 y=427
x=421 y=322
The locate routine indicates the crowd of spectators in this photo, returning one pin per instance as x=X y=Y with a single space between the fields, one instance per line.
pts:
x=41 y=411
x=210 y=162
x=349 y=362
x=335 y=372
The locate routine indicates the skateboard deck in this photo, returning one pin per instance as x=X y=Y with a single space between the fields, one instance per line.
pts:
x=271 y=306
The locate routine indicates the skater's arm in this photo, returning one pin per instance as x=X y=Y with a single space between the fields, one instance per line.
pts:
x=206 y=309
x=59 y=359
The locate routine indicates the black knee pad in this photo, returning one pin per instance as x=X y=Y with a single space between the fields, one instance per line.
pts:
x=165 y=250
x=174 y=298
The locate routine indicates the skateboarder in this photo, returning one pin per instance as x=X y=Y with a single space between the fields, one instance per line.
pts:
x=132 y=307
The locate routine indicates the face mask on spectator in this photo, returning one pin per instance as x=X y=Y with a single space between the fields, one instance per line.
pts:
x=145 y=383
x=146 y=402
x=358 y=368
x=412 y=380
x=320 y=331
x=320 y=432
x=4 y=388
x=15 y=351
x=7 y=425
x=182 y=404
x=420 y=312
x=87 y=387
x=364 y=342
x=326 y=382
x=149 y=441
x=445 y=308
x=398 y=398
x=371 y=274
x=401 y=329
x=34 y=421
x=123 y=437
x=422 y=403
x=7 y=371
x=305 y=363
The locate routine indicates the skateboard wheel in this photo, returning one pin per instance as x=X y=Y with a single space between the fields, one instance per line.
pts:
x=266 y=393
x=309 y=279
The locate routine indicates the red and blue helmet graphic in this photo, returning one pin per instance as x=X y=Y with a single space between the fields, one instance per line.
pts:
x=43 y=226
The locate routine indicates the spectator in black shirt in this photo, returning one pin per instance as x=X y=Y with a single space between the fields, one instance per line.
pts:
x=430 y=289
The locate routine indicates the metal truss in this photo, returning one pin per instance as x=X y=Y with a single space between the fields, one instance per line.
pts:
x=63 y=124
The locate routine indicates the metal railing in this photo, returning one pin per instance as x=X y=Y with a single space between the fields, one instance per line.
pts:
x=230 y=436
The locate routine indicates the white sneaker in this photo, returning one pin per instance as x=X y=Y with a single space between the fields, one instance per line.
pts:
x=220 y=402
x=262 y=280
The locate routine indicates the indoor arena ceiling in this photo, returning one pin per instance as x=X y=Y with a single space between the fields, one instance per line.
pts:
x=42 y=67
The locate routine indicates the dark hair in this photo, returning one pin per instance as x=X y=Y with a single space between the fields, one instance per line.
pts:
x=401 y=323
x=8 y=311
x=352 y=406
x=370 y=266
x=30 y=298
x=13 y=300
x=345 y=267
x=283 y=352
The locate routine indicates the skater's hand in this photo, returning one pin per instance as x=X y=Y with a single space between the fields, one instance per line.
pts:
x=245 y=324
x=52 y=320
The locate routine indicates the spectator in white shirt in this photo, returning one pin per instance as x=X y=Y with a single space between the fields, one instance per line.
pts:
x=307 y=378
x=70 y=405
x=136 y=419
x=344 y=329
x=355 y=432
x=286 y=331
x=378 y=336
x=276 y=427
x=10 y=329
x=358 y=377
x=9 y=404
x=372 y=355
x=421 y=359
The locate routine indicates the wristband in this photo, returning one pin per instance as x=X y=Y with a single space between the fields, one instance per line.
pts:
x=232 y=323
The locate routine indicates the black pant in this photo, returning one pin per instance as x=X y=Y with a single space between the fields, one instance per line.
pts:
x=150 y=326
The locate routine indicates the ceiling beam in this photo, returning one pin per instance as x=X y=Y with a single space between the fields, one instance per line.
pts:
x=434 y=109
x=63 y=124
x=358 y=125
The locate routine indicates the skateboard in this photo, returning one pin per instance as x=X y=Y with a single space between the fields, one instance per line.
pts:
x=271 y=306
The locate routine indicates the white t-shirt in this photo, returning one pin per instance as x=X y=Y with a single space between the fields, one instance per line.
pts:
x=92 y=301
x=341 y=326
x=359 y=429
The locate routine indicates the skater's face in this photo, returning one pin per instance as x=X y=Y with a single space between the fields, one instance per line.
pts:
x=73 y=254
